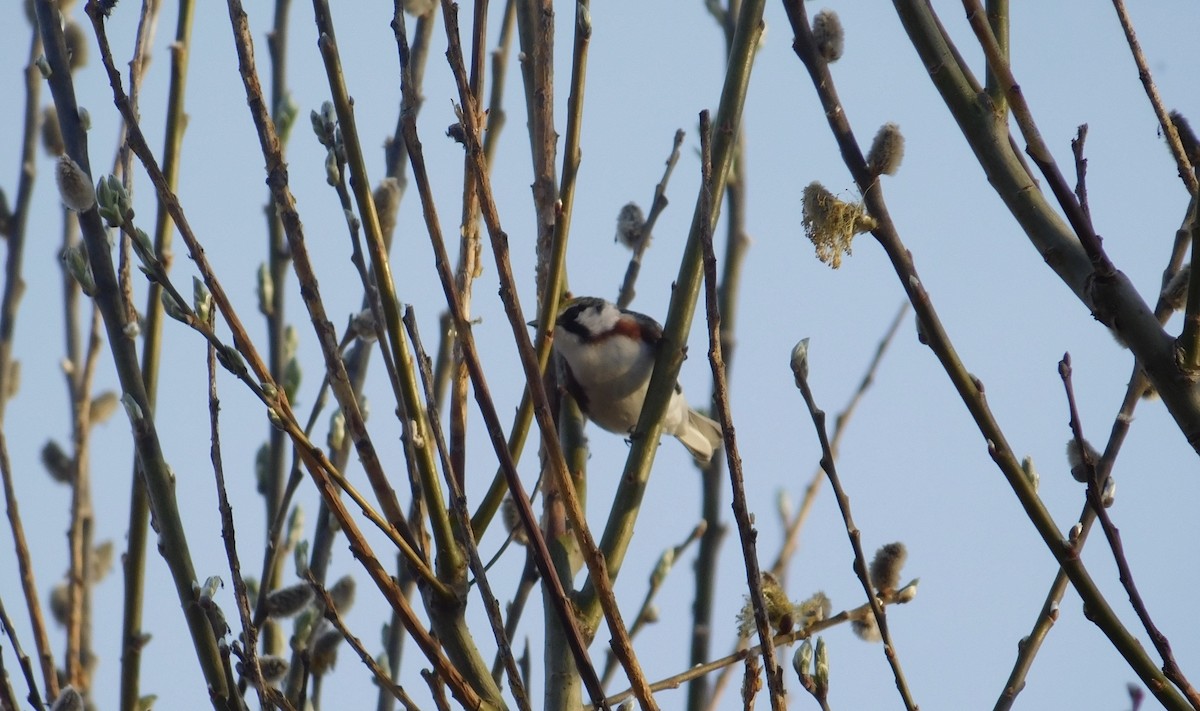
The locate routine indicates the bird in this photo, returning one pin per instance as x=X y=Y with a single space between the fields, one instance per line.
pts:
x=608 y=356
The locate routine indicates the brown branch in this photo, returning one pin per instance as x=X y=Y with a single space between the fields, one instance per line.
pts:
x=781 y=640
x=139 y=511
x=646 y=613
x=27 y=667
x=657 y=204
x=1030 y=645
x=793 y=527
x=229 y=537
x=1037 y=148
x=800 y=369
x=26 y=574
x=173 y=538
x=1113 y=300
x=1095 y=489
x=1186 y=169
x=381 y=676
x=14 y=224
x=741 y=513
x=412 y=418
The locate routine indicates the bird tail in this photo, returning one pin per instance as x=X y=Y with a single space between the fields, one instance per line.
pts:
x=701 y=436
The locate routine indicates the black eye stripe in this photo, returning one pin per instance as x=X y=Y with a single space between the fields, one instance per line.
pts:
x=570 y=319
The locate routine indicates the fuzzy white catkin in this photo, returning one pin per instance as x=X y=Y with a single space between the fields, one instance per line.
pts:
x=74 y=186
x=630 y=222
x=828 y=35
x=68 y=700
x=887 y=150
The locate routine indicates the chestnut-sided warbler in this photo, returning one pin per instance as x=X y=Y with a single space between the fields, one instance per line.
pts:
x=609 y=355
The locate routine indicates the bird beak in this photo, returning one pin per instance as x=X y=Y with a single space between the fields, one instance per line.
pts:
x=532 y=324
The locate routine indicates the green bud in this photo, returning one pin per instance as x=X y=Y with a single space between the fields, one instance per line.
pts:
x=201 y=300
x=76 y=261
x=116 y=207
x=172 y=307
x=300 y=557
x=285 y=117
x=821 y=668
x=211 y=585
x=144 y=247
x=231 y=360
x=337 y=430
x=662 y=568
x=295 y=526
x=333 y=173
x=291 y=342
x=132 y=408
x=266 y=290
x=802 y=662
x=800 y=360
x=292 y=374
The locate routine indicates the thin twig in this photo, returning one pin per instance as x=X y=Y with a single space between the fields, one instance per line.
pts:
x=657 y=204
x=647 y=612
x=1048 y=615
x=1189 y=339
x=1113 y=299
x=781 y=640
x=229 y=534
x=1081 y=169
x=1095 y=494
x=139 y=504
x=1186 y=169
x=1037 y=148
x=554 y=262
x=34 y=697
x=529 y=578
x=28 y=581
x=381 y=675
x=998 y=18
x=706 y=571
x=793 y=528
x=14 y=226
x=800 y=369
x=413 y=422
x=273 y=307
x=459 y=508
x=596 y=562
x=741 y=513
